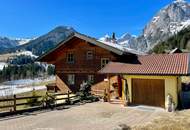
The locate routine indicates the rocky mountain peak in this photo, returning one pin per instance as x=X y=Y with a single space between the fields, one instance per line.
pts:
x=7 y=43
x=47 y=41
x=62 y=29
x=167 y=22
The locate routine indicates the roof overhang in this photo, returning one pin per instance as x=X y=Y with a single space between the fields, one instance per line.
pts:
x=142 y=74
x=166 y=65
x=100 y=44
x=90 y=40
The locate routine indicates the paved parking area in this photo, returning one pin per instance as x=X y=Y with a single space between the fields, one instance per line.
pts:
x=92 y=116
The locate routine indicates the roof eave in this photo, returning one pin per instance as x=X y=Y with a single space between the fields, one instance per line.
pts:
x=145 y=74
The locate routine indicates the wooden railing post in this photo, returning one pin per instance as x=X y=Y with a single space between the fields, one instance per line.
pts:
x=14 y=103
x=105 y=92
x=68 y=96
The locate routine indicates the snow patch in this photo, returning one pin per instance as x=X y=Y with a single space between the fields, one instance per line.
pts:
x=14 y=89
x=125 y=35
x=122 y=48
x=126 y=43
x=176 y=27
x=21 y=86
x=179 y=1
x=22 y=41
x=114 y=45
x=104 y=38
x=27 y=53
x=2 y=65
x=28 y=81
x=155 y=19
x=135 y=36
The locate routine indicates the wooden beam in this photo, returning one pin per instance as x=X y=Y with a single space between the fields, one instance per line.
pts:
x=76 y=71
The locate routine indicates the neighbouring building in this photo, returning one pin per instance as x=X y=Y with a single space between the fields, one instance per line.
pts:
x=80 y=57
x=176 y=50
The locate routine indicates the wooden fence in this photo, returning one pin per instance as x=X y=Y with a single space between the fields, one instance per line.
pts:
x=42 y=102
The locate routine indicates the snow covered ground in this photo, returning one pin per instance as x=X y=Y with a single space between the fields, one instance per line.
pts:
x=22 y=86
x=14 y=89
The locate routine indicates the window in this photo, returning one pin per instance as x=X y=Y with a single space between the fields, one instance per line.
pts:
x=89 y=55
x=91 y=78
x=104 y=61
x=71 y=79
x=70 y=58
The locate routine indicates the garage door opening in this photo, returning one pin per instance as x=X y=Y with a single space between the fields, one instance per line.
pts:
x=149 y=92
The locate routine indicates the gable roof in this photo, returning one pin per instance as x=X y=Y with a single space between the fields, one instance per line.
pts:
x=156 y=64
x=113 y=47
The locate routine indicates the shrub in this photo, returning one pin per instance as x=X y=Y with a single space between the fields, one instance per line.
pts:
x=33 y=101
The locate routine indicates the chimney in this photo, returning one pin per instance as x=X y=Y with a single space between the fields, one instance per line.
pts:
x=113 y=39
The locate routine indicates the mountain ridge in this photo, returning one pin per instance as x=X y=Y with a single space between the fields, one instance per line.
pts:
x=40 y=45
x=167 y=21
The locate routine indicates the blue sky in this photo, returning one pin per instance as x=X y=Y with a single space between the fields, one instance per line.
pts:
x=31 y=18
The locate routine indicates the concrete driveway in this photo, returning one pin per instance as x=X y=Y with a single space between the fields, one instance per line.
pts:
x=92 y=116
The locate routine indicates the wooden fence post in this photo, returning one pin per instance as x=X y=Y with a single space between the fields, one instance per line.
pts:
x=14 y=101
x=105 y=96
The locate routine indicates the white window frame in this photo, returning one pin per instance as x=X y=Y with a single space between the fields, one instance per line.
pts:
x=89 y=57
x=104 y=61
x=91 y=78
x=71 y=79
x=70 y=59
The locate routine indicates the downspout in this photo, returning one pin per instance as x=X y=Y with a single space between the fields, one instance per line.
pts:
x=120 y=84
x=178 y=93
x=126 y=93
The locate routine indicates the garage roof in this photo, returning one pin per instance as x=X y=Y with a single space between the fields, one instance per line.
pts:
x=155 y=64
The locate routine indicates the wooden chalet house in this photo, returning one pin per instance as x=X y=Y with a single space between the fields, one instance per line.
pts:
x=80 y=57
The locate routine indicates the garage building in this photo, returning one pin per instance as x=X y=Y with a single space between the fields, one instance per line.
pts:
x=150 y=79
